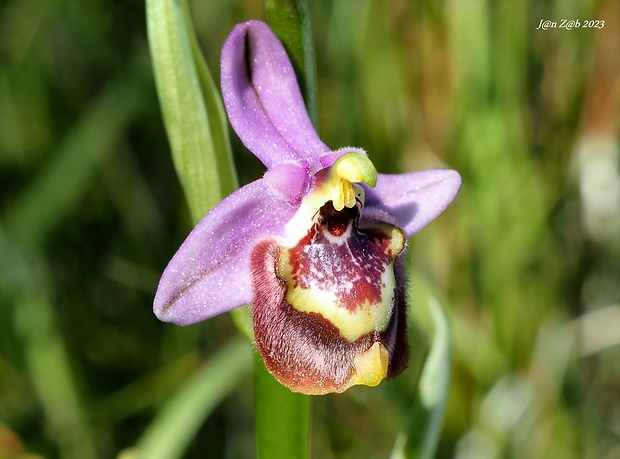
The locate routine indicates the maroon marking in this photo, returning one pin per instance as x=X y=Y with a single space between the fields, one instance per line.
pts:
x=351 y=267
x=304 y=351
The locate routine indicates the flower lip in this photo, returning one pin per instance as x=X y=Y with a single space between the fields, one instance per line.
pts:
x=343 y=271
x=371 y=366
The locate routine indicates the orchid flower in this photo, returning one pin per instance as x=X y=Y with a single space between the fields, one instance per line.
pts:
x=316 y=246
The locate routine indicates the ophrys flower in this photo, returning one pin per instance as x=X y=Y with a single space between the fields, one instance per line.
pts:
x=316 y=246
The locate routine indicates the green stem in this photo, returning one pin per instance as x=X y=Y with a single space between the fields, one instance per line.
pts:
x=282 y=418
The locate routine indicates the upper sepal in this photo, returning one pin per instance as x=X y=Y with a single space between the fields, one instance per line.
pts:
x=263 y=100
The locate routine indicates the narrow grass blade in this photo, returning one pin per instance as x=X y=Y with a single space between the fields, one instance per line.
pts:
x=49 y=369
x=191 y=107
x=282 y=419
x=432 y=390
x=27 y=283
x=218 y=123
x=182 y=415
x=52 y=194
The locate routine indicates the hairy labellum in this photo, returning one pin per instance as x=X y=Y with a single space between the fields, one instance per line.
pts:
x=330 y=311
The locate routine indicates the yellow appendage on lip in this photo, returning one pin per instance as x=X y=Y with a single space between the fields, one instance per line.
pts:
x=371 y=366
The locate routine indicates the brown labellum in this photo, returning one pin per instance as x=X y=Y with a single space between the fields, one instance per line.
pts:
x=330 y=312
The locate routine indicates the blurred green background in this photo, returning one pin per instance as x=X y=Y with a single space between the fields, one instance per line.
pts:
x=526 y=260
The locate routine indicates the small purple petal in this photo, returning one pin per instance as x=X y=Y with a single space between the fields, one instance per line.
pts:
x=414 y=199
x=263 y=100
x=210 y=273
x=290 y=179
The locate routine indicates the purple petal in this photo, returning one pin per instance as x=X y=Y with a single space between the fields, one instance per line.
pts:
x=263 y=99
x=210 y=273
x=414 y=199
x=292 y=180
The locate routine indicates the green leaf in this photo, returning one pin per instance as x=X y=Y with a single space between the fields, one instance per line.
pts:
x=282 y=418
x=49 y=367
x=192 y=109
x=27 y=287
x=242 y=318
x=290 y=21
x=182 y=415
x=58 y=188
x=433 y=389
